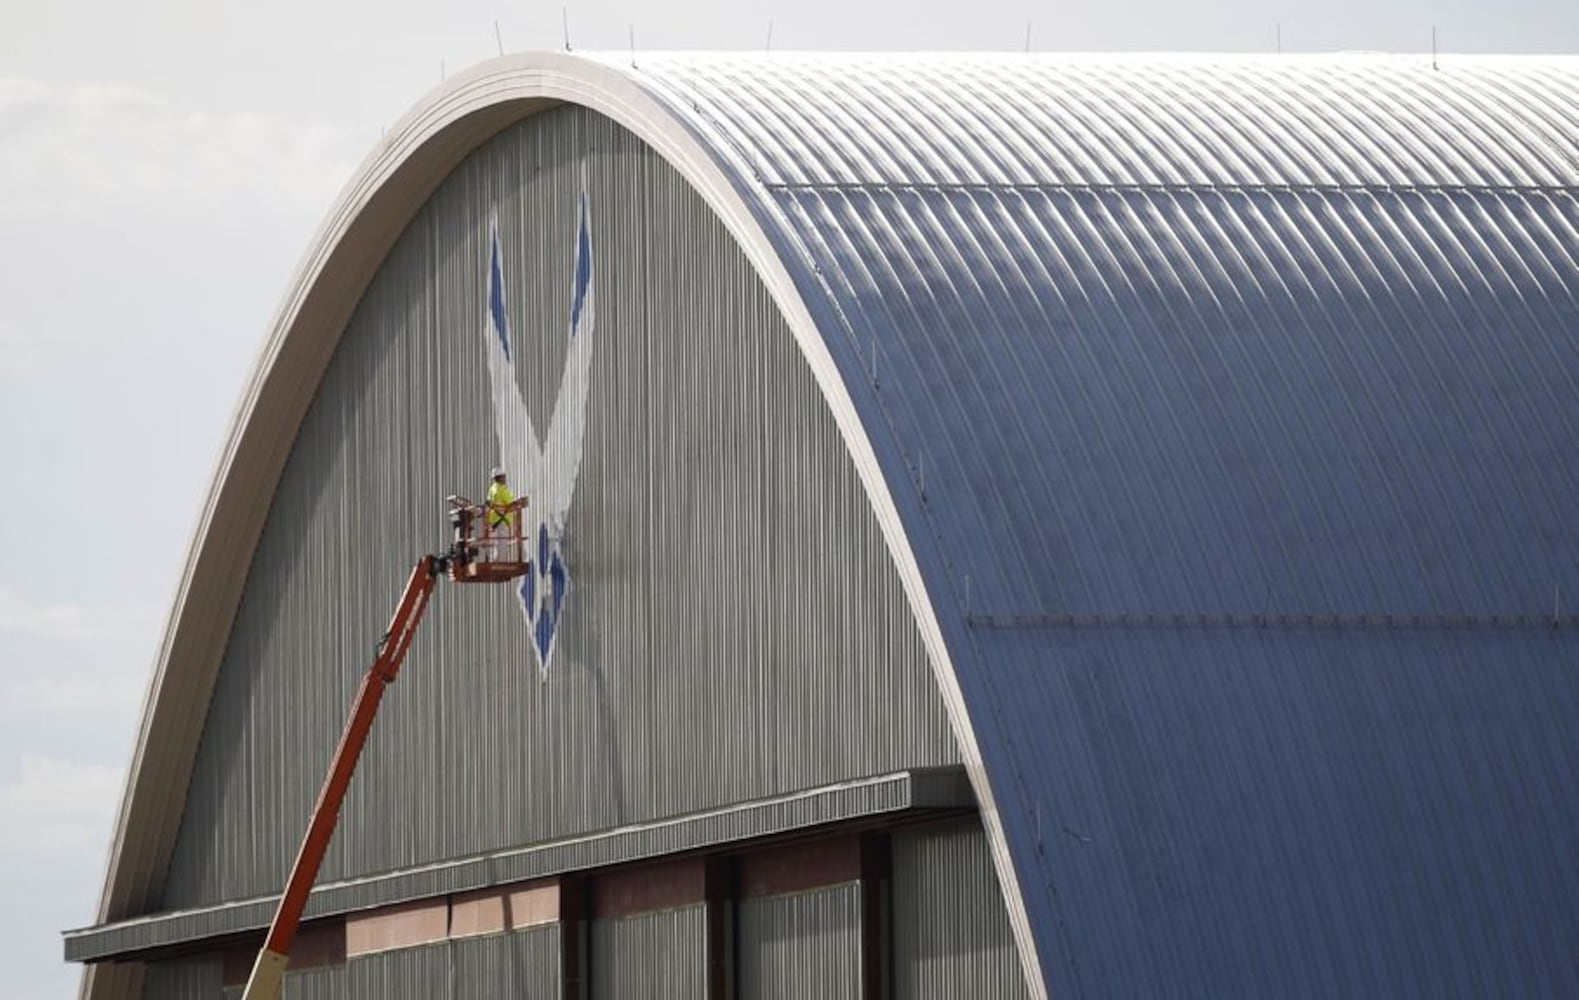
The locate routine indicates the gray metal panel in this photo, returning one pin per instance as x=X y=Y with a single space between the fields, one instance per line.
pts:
x=735 y=629
x=523 y=965
x=197 y=978
x=951 y=935
x=330 y=983
x=406 y=974
x=650 y=956
x=802 y=945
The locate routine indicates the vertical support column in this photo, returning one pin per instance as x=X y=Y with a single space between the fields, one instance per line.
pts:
x=573 y=938
x=719 y=893
x=876 y=918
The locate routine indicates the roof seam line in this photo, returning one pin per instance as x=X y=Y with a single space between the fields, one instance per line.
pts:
x=1106 y=188
x=1403 y=621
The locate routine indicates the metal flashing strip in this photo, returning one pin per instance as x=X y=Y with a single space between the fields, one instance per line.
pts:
x=884 y=795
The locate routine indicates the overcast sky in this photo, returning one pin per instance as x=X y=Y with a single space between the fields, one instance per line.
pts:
x=163 y=165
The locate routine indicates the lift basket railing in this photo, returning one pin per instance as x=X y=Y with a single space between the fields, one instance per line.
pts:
x=491 y=549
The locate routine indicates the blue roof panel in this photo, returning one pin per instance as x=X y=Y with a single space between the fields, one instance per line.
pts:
x=1315 y=393
x=1290 y=812
x=1231 y=408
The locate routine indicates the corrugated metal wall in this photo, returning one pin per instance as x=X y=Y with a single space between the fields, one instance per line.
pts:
x=733 y=608
x=185 y=979
x=951 y=933
x=427 y=971
x=327 y=983
x=330 y=983
x=522 y=966
x=802 y=945
x=650 y=956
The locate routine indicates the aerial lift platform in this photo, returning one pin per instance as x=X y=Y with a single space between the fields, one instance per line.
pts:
x=481 y=551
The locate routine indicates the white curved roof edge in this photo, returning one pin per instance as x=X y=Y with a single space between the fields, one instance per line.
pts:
x=623 y=57
x=369 y=215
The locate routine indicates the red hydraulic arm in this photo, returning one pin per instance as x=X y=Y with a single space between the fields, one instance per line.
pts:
x=269 y=971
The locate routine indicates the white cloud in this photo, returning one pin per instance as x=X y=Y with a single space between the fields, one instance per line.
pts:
x=77 y=150
x=18 y=354
x=118 y=692
x=45 y=621
x=57 y=807
x=24 y=617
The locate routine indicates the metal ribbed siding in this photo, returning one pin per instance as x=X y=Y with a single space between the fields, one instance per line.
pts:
x=521 y=966
x=184 y=979
x=422 y=973
x=802 y=945
x=733 y=611
x=950 y=931
x=327 y=983
x=330 y=984
x=406 y=974
x=650 y=956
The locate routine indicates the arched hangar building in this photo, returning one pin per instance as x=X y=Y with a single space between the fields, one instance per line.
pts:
x=1010 y=526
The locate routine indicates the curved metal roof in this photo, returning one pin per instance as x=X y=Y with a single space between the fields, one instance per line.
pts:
x=1230 y=407
x=1132 y=120
x=1220 y=415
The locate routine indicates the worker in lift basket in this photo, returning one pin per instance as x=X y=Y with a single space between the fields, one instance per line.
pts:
x=501 y=504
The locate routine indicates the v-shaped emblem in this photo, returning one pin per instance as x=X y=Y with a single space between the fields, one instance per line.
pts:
x=545 y=468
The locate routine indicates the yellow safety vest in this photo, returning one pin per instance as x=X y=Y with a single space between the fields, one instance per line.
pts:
x=499 y=496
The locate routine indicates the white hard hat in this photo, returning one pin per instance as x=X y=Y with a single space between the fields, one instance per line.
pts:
x=497 y=472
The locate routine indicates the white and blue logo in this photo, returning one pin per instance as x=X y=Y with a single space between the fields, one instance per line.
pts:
x=544 y=469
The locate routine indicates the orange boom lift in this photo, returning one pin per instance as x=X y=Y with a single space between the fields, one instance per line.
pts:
x=477 y=554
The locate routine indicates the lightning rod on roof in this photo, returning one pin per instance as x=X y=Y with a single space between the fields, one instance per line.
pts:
x=1027 y=36
x=1433 y=47
x=768 y=46
x=1280 y=39
x=564 y=22
x=498 y=39
x=632 y=28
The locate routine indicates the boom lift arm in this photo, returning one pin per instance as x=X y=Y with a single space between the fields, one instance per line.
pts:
x=473 y=558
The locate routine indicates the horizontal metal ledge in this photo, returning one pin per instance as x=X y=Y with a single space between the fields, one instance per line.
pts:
x=885 y=795
x=1369 y=621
